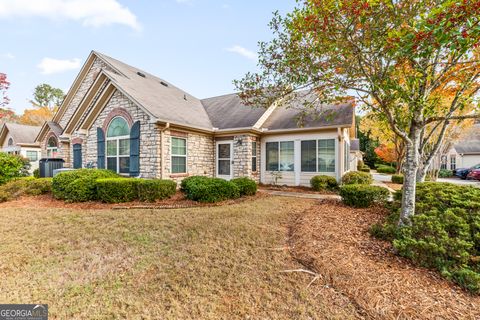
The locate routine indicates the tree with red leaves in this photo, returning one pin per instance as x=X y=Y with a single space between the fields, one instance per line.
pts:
x=399 y=57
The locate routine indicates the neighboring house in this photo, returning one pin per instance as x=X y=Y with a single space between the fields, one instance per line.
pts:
x=355 y=154
x=464 y=153
x=121 y=118
x=20 y=140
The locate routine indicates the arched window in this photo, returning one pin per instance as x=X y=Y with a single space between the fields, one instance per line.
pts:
x=52 y=147
x=10 y=142
x=118 y=146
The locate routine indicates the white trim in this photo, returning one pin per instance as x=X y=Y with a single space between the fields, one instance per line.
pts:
x=226 y=177
x=178 y=155
x=117 y=139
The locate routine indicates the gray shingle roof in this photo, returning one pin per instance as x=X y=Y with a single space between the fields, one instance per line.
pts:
x=228 y=111
x=55 y=128
x=468 y=147
x=164 y=101
x=327 y=116
x=22 y=133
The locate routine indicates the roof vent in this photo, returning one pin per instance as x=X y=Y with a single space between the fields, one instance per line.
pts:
x=185 y=97
x=164 y=83
x=141 y=74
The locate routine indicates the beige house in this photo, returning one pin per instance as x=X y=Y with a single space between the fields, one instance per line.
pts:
x=20 y=140
x=119 y=117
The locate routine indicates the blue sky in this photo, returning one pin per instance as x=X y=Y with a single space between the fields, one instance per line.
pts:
x=198 y=45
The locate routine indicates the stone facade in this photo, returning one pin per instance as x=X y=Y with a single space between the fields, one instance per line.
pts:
x=97 y=66
x=242 y=157
x=149 y=136
x=200 y=154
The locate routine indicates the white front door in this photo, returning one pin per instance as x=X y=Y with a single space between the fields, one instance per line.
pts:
x=224 y=159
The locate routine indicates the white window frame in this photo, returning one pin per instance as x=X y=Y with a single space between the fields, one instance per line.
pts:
x=453 y=164
x=117 y=156
x=317 y=155
x=178 y=155
x=30 y=151
x=279 y=155
x=52 y=152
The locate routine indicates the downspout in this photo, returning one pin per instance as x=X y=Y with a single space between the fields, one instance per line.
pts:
x=162 y=154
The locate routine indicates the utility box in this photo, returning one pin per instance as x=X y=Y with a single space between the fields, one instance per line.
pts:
x=47 y=165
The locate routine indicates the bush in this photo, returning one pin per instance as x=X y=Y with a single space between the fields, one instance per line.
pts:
x=322 y=183
x=36 y=173
x=386 y=169
x=154 y=189
x=247 y=186
x=444 y=234
x=24 y=186
x=397 y=178
x=204 y=189
x=12 y=166
x=362 y=196
x=364 y=169
x=79 y=185
x=356 y=177
x=116 y=190
x=444 y=173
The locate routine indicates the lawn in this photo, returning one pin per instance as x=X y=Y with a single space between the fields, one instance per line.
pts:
x=203 y=263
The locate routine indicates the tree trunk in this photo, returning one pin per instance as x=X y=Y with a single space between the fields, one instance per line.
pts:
x=410 y=167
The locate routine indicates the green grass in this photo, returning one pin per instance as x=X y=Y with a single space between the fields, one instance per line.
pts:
x=203 y=263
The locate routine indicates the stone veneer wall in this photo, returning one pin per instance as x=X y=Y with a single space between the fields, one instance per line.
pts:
x=200 y=155
x=242 y=157
x=149 y=136
x=82 y=90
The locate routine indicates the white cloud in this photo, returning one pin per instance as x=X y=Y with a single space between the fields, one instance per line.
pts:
x=243 y=52
x=92 y=13
x=7 y=55
x=50 y=66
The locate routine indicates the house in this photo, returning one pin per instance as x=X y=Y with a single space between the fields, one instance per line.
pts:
x=463 y=153
x=119 y=117
x=20 y=139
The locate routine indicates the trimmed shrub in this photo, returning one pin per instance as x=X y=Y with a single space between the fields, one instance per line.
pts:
x=362 y=196
x=444 y=233
x=356 y=177
x=386 y=169
x=364 y=169
x=444 y=173
x=192 y=181
x=24 y=186
x=12 y=166
x=79 y=185
x=246 y=186
x=36 y=173
x=397 y=178
x=151 y=190
x=204 y=189
x=116 y=190
x=322 y=183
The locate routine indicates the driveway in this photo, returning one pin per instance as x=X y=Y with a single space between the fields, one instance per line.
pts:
x=380 y=177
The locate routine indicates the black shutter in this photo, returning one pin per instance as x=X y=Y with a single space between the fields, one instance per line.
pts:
x=100 y=148
x=77 y=156
x=135 y=149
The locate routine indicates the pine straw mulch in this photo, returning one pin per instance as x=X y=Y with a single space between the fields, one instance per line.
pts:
x=333 y=240
x=178 y=201
x=293 y=189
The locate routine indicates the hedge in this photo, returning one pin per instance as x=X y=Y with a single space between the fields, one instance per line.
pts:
x=151 y=190
x=79 y=185
x=364 y=169
x=116 y=190
x=356 y=177
x=397 y=178
x=246 y=186
x=444 y=173
x=12 y=166
x=204 y=189
x=25 y=186
x=386 y=169
x=362 y=196
x=322 y=183
x=443 y=234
